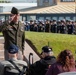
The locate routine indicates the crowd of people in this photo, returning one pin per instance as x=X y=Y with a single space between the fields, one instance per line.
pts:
x=14 y=36
x=50 y=65
x=61 y=26
x=47 y=65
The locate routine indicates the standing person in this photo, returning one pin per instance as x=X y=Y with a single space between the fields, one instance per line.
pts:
x=41 y=27
x=65 y=63
x=70 y=27
x=58 y=26
x=47 y=59
x=7 y=67
x=31 y=25
x=63 y=27
x=35 y=27
x=13 y=32
x=47 y=26
x=54 y=26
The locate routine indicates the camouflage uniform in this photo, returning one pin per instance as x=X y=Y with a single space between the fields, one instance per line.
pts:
x=13 y=34
x=19 y=64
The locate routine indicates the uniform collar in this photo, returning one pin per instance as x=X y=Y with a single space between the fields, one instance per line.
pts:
x=13 y=59
x=17 y=22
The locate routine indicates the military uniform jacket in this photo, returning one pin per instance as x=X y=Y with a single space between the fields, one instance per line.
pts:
x=5 y=63
x=13 y=34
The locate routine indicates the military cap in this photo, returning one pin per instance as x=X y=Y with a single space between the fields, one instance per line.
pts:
x=14 y=11
x=13 y=49
x=62 y=21
x=46 y=49
x=67 y=20
x=54 y=20
x=31 y=20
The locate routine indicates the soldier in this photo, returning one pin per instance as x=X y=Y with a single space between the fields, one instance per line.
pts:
x=54 y=27
x=13 y=32
x=74 y=23
x=58 y=26
x=8 y=67
x=41 y=27
x=70 y=27
x=47 y=26
x=63 y=27
x=35 y=27
x=31 y=24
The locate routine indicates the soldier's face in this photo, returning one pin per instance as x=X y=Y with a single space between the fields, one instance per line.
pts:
x=14 y=17
x=11 y=15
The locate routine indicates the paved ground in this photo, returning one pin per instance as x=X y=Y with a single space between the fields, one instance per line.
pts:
x=1 y=48
x=27 y=51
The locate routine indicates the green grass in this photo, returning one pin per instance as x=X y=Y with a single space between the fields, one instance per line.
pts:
x=58 y=42
x=1 y=33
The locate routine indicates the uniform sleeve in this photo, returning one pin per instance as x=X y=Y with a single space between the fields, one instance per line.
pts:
x=23 y=41
x=3 y=26
x=1 y=69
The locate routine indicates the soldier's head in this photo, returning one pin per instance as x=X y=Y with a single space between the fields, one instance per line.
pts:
x=14 y=14
x=46 y=51
x=13 y=51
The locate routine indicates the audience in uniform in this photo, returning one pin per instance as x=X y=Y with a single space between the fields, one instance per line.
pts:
x=53 y=26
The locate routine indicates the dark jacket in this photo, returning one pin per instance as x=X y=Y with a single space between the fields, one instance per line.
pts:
x=40 y=67
x=70 y=29
x=13 y=34
x=47 y=27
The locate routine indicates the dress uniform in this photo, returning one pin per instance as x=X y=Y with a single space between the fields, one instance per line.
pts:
x=54 y=27
x=35 y=27
x=70 y=29
x=63 y=27
x=31 y=25
x=47 y=26
x=13 y=33
x=58 y=26
x=7 y=67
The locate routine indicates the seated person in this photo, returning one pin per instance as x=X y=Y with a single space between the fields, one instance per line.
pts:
x=8 y=66
x=65 y=63
x=40 y=67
